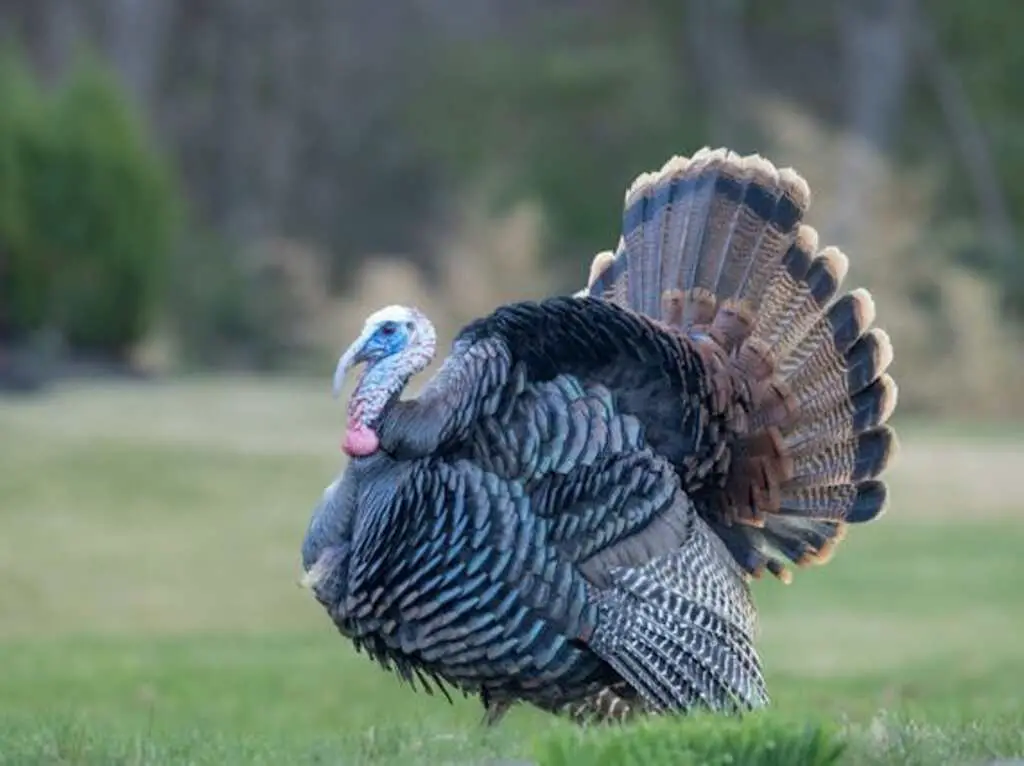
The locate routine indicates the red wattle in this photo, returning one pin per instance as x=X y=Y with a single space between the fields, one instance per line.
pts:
x=360 y=441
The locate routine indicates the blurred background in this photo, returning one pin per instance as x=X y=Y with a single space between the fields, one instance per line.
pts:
x=201 y=200
x=211 y=184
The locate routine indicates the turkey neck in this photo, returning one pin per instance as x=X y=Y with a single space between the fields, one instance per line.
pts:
x=383 y=381
x=376 y=391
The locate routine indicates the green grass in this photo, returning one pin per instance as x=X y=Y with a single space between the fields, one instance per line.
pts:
x=150 y=612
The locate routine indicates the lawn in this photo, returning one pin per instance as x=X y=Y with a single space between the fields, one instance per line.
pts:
x=150 y=611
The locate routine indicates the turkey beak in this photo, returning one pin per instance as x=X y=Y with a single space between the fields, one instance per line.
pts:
x=354 y=354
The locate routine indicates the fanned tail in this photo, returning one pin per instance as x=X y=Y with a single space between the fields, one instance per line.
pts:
x=715 y=248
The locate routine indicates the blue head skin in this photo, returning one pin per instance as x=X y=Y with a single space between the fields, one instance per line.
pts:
x=396 y=343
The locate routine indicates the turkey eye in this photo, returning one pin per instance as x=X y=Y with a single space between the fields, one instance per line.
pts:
x=387 y=329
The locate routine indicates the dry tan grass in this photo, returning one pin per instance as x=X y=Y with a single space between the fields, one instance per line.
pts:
x=943 y=478
x=934 y=476
x=487 y=261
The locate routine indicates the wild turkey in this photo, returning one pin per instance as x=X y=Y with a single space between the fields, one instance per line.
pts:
x=570 y=512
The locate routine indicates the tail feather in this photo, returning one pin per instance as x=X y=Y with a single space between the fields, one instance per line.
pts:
x=819 y=285
x=870 y=356
x=708 y=230
x=714 y=246
x=793 y=198
x=871 y=407
x=693 y=184
x=788 y=284
x=836 y=502
x=680 y=206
